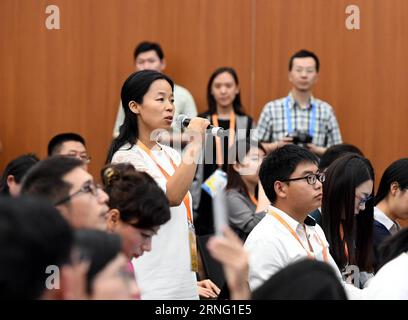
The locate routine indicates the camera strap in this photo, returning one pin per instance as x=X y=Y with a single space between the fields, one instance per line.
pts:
x=312 y=121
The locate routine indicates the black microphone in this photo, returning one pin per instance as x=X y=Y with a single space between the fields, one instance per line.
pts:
x=182 y=121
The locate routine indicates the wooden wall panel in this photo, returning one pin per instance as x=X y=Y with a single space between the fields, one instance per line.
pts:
x=69 y=79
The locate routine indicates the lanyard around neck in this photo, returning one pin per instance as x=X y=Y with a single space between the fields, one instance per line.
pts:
x=293 y=233
x=253 y=199
x=186 y=199
x=231 y=136
x=312 y=122
x=346 y=251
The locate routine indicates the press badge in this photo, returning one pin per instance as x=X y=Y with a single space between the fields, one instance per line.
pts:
x=216 y=182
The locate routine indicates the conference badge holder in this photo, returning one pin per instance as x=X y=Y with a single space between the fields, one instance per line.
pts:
x=215 y=183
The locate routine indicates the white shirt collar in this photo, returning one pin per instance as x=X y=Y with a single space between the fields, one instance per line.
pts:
x=382 y=218
x=294 y=224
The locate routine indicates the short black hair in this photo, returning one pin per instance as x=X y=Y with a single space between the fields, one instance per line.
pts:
x=280 y=164
x=97 y=247
x=302 y=280
x=33 y=236
x=136 y=196
x=54 y=146
x=334 y=152
x=45 y=179
x=17 y=168
x=304 y=54
x=148 y=46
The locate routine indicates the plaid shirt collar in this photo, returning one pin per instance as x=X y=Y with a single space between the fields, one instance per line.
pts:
x=293 y=103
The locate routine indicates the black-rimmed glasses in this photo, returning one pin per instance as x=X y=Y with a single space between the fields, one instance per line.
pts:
x=89 y=187
x=310 y=178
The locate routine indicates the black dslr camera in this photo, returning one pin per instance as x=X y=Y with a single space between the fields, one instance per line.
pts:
x=301 y=138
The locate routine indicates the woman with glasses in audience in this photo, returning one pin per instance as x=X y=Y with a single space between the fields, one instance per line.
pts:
x=347 y=215
x=391 y=203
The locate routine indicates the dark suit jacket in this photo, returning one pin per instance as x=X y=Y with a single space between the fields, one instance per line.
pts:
x=380 y=233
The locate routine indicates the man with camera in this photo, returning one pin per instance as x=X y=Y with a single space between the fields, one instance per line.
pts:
x=299 y=118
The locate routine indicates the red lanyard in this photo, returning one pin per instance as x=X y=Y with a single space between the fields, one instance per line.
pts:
x=231 y=136
x=286 y=225
x=186 y=199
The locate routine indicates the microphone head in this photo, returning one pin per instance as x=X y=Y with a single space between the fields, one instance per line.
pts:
x=179 y=121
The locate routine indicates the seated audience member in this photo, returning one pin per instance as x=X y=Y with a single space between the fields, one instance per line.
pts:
x=245 y=208
x=64 y=182
x=71 y=145
x=302 y=280
x=137 y=207
x=33 y=237
x=391 y=202
x=391 y=280
x=331 y=154
x=108 y=276
x=293 y=185
x=10 y=181
x=335 y=152
x=347 y=214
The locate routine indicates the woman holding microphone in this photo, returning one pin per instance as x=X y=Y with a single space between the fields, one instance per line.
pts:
x=168 y=271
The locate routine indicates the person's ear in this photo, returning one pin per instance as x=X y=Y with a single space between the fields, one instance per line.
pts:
x=112 y=219
x=134 y=107
x=280 y=189
x=10 y=180
x=237 y=167
x=163 y=64
x=394 y=187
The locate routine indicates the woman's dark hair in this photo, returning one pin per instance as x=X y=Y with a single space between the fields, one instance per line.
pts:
x=17 y=168
x=239 y=151
x=334 y=152
x=393 y=247
x=134 y=89
x=136 y=196
x=97 y=247
x=212 y=104
x=396 y=172
x=302 y=280
x=343 y=176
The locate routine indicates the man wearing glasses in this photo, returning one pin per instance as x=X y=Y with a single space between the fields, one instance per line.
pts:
x=293 y=184
x=299 y=118
x=71 y=145
x=64 y=181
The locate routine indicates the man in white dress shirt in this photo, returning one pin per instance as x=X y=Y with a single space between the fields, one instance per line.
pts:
x=293 y=185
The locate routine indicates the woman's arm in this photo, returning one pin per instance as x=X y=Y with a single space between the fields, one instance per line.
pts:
x=178 y=184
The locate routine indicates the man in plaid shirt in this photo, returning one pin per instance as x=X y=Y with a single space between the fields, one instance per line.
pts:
x=299 y=111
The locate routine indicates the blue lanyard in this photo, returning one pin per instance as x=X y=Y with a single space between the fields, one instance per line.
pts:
x=312 y=121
